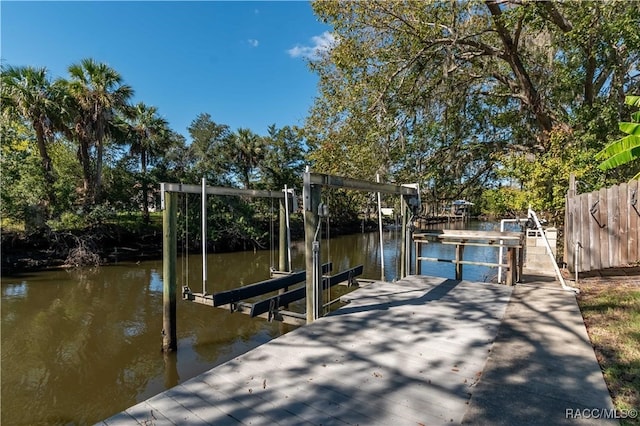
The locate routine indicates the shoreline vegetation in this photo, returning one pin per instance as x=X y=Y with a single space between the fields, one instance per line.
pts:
x=48 y=249
x=107 y=243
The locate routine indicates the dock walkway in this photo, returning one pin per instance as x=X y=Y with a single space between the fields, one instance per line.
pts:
x=422 y=351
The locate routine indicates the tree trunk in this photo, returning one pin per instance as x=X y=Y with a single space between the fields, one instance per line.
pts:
x=87 y=181
x=145 y=188
x=531 y=95
x=47 y=166
x=98 y=175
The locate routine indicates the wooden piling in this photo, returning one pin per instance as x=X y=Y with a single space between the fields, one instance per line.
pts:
x=511 y=261
x=459 y=254
x=169 y=262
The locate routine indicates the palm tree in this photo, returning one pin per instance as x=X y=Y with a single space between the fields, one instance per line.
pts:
x=98 y=94
x=247 y=149
x=149 y=135
x=27 y=95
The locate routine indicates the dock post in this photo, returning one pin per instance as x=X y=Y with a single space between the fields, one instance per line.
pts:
x=511 y=261
x=311 y=197
x=169 y=261
x=459 y=253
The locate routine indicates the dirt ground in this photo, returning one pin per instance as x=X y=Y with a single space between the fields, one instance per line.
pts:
x=617 y=276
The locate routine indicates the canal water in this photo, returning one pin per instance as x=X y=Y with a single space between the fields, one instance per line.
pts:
x=80 y=345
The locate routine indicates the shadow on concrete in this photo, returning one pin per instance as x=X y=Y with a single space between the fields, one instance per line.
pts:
x=542 y=369
x=408 y=353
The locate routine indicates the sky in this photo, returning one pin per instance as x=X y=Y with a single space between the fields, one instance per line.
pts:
x=244 y=63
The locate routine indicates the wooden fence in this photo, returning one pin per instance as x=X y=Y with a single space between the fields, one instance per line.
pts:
x=606 y=226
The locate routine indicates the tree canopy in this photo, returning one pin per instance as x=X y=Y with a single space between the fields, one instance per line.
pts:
x=443 y=92
x=493 y=101
x=78 y=151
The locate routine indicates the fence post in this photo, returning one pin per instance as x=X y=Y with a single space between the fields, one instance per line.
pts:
x=569 y=231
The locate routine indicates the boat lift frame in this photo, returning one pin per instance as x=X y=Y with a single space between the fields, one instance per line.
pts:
x=313 y=210
x=315 y=281
x=169 y=207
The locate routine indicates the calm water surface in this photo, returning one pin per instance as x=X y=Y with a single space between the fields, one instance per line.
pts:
x=81 y=345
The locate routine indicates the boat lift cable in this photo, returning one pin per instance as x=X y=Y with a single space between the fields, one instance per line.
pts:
x=287 y=224
x=182 y=252
x=271 y=242
x=328 y=238
x=204 y=236
x=186 y=237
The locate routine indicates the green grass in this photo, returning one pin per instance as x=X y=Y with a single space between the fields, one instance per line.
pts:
x=611 y=311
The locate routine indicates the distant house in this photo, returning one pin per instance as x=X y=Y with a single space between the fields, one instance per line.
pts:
x=461 y=207
x=386 y=211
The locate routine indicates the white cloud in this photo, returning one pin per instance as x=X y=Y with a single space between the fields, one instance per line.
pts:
x=319 y=45
x=253 y=42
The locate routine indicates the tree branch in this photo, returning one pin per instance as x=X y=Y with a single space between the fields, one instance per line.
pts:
x=513 y=59
x=555 y=16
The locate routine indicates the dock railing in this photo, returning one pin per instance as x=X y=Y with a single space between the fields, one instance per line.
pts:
x=513 y=242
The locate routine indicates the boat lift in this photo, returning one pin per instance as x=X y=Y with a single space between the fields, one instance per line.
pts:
x=314 y=276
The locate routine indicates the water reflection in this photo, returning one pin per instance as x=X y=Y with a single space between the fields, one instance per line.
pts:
x=15 y=290
x=79 y=346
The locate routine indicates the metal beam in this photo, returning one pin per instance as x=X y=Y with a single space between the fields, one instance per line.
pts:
x=283 y=299
x=217 y=190
x=262 y=287
x=361 y=185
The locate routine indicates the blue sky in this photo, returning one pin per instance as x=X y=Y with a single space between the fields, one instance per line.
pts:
x=242 y=62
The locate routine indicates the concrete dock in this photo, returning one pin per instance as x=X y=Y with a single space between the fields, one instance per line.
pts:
x=421 y=351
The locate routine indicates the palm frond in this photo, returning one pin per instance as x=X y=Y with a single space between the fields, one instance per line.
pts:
x=630 y=128
x=624 y=153
x=616 y=147
x=632 y=100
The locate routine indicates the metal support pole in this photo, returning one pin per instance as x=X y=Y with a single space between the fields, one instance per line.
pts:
x=282 y=238
x=204 y=236
x=500 y=253
x=380 y=231
x=311 y=198
x=169 y=261
x=288 y=226
x=317 y=281
x=404 y=253
x=407 y=248
x=564 y=285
